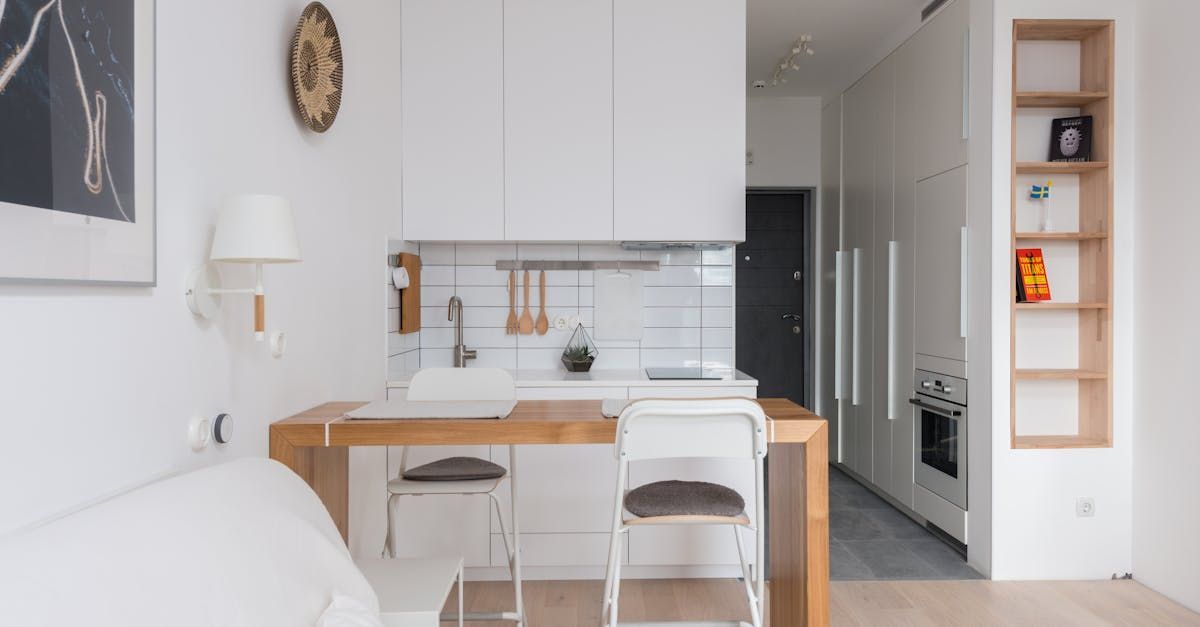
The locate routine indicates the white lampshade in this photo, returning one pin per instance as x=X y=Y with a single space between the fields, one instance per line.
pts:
x=255 y=228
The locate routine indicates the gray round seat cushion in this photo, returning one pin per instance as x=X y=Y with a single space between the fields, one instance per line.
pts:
x=455 y=469
x=684 y=498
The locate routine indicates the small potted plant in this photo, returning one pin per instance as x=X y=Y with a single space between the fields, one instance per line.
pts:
x=580 y=353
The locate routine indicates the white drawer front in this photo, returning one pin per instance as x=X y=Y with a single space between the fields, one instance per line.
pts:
x=748 y=391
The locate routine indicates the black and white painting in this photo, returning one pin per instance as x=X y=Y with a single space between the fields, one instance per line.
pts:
x=76 y=190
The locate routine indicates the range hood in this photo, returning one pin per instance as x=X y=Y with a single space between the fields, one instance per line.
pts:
x=672 y=246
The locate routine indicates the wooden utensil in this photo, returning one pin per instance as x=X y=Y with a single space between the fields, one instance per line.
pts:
x=543 y=323
x=526 y=324
x=510 y=327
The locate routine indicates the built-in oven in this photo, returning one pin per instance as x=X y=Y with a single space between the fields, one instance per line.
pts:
x=940 y=405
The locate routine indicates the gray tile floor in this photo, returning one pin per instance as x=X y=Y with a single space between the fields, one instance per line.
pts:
x=870 y=539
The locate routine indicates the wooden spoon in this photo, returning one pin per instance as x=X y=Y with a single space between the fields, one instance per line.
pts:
x=526 y=323
x=543 y=323
x=510 y=327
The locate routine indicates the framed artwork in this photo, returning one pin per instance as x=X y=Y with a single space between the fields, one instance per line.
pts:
x=77 y=141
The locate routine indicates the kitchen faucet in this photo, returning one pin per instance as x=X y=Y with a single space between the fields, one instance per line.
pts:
x=461 y=352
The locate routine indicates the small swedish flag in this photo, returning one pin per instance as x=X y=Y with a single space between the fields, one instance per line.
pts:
x=1041 y=192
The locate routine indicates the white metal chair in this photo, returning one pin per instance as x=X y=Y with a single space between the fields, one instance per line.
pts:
x=453 y=475
x=703 y=428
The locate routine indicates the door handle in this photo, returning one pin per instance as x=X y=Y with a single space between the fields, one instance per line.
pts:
x=791 y=316
x=856 y=330
x=893 y=255
x=839 y=309
x=953 y=413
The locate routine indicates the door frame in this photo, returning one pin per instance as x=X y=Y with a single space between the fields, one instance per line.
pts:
x=809 y=294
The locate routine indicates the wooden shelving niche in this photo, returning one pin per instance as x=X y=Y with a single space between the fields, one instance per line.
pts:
x=1062 y=386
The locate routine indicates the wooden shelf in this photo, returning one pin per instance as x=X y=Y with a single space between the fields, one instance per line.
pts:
x=1035 y=99
x=1062 y=236
x=1058 y=30
x=1064 y=167
x=1059 y=441
x=1060 y=306
x=1049 y=374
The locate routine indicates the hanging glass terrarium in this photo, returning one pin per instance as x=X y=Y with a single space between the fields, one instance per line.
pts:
x=580 y=353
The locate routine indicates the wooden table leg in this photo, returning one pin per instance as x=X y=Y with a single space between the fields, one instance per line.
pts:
x=799 y=532
x=326 y=469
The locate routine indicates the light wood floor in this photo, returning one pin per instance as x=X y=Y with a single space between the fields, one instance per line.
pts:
x=857 y=603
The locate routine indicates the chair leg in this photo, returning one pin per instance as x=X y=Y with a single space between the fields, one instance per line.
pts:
x=751 y=597
x=514 y=563
x=616 y=583
x=613 y=557
x=389 y=538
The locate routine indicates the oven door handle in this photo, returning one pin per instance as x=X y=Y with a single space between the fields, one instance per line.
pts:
x=954 y=413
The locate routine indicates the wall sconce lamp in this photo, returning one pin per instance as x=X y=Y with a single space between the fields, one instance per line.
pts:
x=251 y=228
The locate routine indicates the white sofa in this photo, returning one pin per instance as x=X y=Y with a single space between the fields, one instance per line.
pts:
x=245 y=543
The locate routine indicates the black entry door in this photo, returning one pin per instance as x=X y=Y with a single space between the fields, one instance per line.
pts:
x=772 y=322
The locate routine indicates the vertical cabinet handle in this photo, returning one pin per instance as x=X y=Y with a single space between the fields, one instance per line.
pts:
x=963 y=283
x=839 y=331
x=856 y=330
x=893 y=256
x=966 y=86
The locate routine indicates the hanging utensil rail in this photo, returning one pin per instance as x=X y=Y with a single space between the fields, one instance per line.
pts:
x=548 y=265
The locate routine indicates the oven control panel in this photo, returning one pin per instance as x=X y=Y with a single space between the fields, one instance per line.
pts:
x=941 y=386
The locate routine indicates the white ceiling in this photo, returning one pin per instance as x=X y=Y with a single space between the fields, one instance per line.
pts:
x=849 y=36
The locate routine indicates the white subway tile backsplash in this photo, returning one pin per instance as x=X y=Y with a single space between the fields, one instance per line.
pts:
x=718 y=296
x=679 y=276
x=671 y=338
x=437 y=254
x=717 y=276
x=483 y=254
x=672 y=317
x=672 y=297
x=722 y=257
x=717 y=317
x=436 y=275
x=717 y=338
x=667 y=357
x=688 y=315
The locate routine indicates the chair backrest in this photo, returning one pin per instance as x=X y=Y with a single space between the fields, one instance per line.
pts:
x=716 y=428
x=462 y=384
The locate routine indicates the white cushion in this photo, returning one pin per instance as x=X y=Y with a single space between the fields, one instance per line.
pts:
x=241 y=544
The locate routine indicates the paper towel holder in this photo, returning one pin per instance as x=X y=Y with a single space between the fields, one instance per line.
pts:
x=410 y=297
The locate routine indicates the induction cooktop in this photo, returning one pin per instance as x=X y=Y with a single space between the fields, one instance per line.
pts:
x=681 y=374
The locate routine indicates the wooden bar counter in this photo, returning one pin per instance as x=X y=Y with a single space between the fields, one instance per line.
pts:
x=315 y=445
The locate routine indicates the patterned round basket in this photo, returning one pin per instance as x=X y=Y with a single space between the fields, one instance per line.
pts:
x=316 y=61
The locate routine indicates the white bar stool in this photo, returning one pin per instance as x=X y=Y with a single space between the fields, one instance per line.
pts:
x=463 y=475
x=702 y=428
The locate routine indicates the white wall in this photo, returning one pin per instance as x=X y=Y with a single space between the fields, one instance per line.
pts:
x=98 y=384
x=1035 y=533
x=784 y=135
x=1166 y=468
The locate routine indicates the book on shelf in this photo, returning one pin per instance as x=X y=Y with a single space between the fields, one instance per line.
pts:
x=1033 y=286
x=1071 y=139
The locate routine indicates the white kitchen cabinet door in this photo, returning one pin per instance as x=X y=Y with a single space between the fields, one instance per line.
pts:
x=885 y=252
x=938 y=79
x=452 y=119
x=859 y=188
x=558 y=120
x=679 y=77
x=941 y=218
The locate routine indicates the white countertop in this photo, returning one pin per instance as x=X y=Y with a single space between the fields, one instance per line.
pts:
x=605 y=378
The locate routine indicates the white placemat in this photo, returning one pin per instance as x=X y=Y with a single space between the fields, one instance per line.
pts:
x=432 y=410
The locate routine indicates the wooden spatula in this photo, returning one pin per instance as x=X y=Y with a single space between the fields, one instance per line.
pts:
x=510 y=327
x=526 y=324
x=543 y=323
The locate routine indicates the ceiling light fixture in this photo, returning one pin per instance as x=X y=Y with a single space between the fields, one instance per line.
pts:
x=791 y=61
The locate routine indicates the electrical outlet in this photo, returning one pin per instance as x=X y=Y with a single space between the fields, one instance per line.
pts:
x=1085 y=507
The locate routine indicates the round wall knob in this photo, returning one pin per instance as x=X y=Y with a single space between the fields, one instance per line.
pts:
x=223 y=428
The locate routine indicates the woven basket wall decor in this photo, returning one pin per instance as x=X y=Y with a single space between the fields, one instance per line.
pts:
x=317 y=68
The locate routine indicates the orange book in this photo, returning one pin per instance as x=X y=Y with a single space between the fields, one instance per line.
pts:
x=1032 y=284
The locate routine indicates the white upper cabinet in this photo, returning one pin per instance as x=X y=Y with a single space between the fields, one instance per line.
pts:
x=452 y=119
x=938 y=78
x=558 y=120
x=680 y=119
